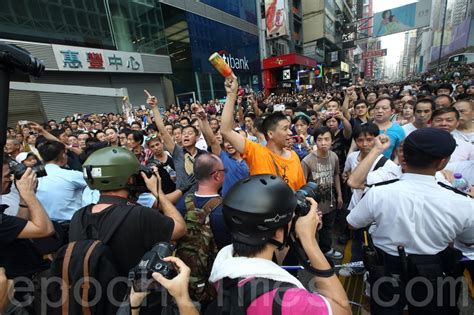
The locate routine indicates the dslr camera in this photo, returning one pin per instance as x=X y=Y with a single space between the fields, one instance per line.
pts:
x=140 y=186
x=18 y=169
x=152 y=261
x=302 y=205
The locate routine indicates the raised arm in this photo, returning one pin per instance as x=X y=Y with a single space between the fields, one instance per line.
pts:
x=236 y=139
x=251 y=99
x=167 y=139
x=347 y=131
x=206 y=129
x=39 y=224
x=240 y=111
x=359 y=175
x=39 y=129
x=347 y=100
x=154 y=185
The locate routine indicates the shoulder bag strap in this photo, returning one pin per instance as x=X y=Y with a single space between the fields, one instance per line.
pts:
x=189 y=202
x=65 y=277
x=211 y=204
x=86 y=285
x=275 y=165
x=259 y=286
x=380 y=162
x=278 y=299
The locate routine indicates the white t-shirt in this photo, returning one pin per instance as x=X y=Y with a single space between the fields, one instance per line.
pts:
x=463 y=136
x=352 y=161
x=409 y=128
x=464 y=151
x=201 y=143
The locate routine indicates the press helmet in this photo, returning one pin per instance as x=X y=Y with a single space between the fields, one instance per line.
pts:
x=255 y=207
x=110 y=168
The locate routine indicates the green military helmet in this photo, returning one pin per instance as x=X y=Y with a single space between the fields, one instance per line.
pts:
x=110 y=168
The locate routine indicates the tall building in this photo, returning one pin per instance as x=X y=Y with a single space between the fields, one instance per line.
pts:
x=460 y=10
x=457 y=33
x=324 y=23
x=96 y=52
x=286 y=66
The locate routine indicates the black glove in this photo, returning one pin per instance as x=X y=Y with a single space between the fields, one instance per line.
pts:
x=187 y=183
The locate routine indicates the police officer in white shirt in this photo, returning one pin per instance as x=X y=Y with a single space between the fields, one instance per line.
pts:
x=416 y=215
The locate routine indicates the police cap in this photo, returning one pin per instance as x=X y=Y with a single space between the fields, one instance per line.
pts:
x=434 y=142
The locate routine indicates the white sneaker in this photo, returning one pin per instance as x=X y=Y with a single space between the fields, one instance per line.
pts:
x=334 y=254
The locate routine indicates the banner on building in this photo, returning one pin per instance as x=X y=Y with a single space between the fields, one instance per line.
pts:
x=276 y=18
x=402 y=19
x=374 y=53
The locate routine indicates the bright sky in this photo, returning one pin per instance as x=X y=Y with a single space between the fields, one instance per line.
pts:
x=393 y=43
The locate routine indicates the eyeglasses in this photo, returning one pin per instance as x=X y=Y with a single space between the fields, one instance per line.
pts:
x=216 y=171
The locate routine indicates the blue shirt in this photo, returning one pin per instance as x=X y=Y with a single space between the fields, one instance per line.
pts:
x=60 y=192
x=90 y=196
x=396 y=135
x=236 y=170
x=219 y=229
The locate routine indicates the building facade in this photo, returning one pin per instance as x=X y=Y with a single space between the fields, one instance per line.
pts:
x=97 y=52
x=196 y=29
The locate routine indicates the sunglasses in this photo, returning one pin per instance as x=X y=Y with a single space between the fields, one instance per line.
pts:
x=217 y=171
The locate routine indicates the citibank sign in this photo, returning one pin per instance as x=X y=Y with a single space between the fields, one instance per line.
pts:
x=236 y=63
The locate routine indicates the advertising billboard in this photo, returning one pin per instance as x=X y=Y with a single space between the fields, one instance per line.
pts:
x=276 y=18
x=402 y=19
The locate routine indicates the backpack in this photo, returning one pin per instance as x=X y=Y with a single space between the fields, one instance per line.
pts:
x=86 y=268
x=198 y=248
x=234 y=299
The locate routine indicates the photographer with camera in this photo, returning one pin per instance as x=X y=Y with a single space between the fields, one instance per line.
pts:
x=18 y=256
x=110 y=237
x=260 y=214
x=120 y=178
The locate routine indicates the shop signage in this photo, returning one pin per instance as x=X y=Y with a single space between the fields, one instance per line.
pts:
x=71 y=58
x=236 y=63
x=374 y=53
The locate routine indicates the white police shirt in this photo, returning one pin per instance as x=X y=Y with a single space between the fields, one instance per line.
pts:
x=417 y=213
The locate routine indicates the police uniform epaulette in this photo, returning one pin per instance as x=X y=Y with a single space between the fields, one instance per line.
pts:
x=457 y=191
x=383 y=183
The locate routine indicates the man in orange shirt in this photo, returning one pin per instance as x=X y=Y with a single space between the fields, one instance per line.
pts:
x=274 y=158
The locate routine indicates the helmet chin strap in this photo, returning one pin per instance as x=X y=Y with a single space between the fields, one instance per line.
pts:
x=278 y=244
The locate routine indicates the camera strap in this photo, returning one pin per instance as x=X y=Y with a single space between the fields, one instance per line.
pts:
x=300 y=254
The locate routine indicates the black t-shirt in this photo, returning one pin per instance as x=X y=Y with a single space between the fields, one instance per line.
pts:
x=142 y=228
x=340 y=146
x=166 y=170
x=18 y=256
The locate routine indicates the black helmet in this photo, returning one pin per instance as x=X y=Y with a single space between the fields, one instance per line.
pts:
x=254 y=208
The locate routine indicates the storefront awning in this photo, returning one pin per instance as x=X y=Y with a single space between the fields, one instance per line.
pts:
x=288 y=60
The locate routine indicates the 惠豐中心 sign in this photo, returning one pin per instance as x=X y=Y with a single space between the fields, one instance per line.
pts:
x=71 y=58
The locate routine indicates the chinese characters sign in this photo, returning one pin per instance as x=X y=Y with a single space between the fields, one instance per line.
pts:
x=69 y=58
x=374 y=53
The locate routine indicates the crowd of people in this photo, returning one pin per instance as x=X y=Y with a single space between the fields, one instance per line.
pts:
x=217 y=181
